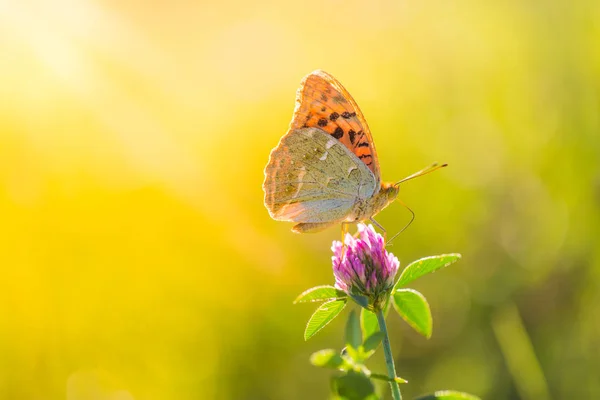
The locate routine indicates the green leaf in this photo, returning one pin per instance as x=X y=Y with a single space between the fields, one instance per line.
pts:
x=327 y=358
x=368 y=322
x=353 y=333
x=424 y=266
x=322 y=316
x=414 y=309
x=320 y=293
x=373 y=341
x=448 y=395
x=386 y=378
x=354 y=386
x=352 y=354
x=362 y=301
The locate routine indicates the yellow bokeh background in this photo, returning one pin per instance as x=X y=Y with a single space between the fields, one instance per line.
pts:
x=138 y=261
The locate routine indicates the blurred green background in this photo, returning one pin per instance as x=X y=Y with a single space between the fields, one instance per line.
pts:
x=138 y=261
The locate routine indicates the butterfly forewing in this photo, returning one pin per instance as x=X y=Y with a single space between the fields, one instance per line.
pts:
x=313 y=177
x=322 y=102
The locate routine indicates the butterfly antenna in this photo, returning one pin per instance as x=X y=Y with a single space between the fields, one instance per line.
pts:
x=422 y=172
x=412 y=218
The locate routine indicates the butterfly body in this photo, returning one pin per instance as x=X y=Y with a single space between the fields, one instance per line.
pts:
x=325 y=171
x=367 y=208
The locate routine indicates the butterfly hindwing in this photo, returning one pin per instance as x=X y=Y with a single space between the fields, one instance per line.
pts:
x=322 y=102
x=312 y=177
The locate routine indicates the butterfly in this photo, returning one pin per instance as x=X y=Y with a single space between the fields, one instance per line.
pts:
x=325 y=170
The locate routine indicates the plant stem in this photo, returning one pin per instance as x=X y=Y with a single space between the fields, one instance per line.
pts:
x=389 y=358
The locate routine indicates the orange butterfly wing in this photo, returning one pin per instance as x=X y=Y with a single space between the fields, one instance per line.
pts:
x=322 y=102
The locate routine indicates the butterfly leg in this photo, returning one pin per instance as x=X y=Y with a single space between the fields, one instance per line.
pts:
x=344 y=232
x=380 y=227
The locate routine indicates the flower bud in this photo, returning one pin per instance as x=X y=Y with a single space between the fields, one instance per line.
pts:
x=363 y=266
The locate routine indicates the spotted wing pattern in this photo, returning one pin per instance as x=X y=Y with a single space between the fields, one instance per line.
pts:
x=322 y=102
x=312 y=177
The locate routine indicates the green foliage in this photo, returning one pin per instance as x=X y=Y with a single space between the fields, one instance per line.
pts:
x=368 y=322
x=320 y=293
x=353 y=332
x=356 y=381
x=372 y=342
x=448 y=395
x=353 y=386
x=322 y=316
x=414 y=309
x=327 y=358
x=360 y=300
x=425 y=266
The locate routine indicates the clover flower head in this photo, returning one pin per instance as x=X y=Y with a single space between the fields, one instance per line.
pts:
x=364 y=267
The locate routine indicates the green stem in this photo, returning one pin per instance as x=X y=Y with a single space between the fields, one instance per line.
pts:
x=389 y=358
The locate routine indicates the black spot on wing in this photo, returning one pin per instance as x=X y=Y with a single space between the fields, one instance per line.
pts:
x=322 y=122
x=338 y=133
x=352 y=134
x=358 y=138
x=334 y=116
